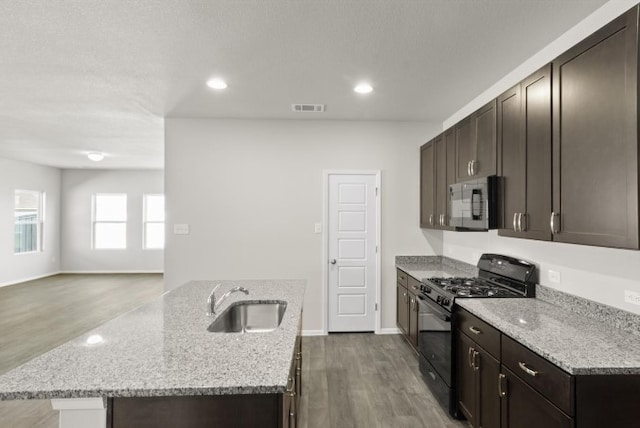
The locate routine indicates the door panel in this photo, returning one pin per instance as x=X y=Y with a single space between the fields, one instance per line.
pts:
x=595 y=138
x=464 y=149
x=466 y=384
x=402 y=305
x=488 y=399
x=484 y=124
x=427 y=180
x=450 y=142
x=441 y=187
x=352 y=245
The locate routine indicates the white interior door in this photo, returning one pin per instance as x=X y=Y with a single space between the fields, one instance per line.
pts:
x=352 y=246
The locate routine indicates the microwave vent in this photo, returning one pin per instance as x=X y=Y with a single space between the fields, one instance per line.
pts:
x=308 y=108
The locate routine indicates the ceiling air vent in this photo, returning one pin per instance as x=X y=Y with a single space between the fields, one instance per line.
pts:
x=307 y=108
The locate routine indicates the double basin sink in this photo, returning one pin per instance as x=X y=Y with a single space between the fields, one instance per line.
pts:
x=249 y=317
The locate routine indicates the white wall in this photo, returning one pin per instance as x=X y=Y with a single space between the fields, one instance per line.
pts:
x=251 y=192
x=22 y=175
x=77 y=188
x=599 y=274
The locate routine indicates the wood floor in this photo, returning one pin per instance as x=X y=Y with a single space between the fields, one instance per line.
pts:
x=365 y=380
x=37 y=316
x=349 y=380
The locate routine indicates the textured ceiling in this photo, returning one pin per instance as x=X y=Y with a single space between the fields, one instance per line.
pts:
x=81 y=75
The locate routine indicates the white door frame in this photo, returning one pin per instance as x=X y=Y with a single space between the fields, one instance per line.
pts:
x=325 y=242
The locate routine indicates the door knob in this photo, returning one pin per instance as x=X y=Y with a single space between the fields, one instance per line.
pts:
x=332 y=261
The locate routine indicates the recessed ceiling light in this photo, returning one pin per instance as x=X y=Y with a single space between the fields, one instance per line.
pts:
x=95 y=156
x=363 y=88
x=217 y=83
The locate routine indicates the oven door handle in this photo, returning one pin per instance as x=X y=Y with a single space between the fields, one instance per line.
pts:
x=441 y=313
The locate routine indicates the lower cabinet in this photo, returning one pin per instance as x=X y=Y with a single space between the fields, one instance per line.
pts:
x=477 y=374
x=407 y=307
x=514 y=387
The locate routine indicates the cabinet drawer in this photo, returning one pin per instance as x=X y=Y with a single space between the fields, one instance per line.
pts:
x=401 y=277
x=413 y=285
x=549 y=380
x=481 y=332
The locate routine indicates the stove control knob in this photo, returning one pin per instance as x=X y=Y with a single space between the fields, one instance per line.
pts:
x=439 y=299
x=427 y=289
x=445 y=301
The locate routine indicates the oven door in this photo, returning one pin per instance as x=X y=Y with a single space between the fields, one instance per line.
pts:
x=434 y=337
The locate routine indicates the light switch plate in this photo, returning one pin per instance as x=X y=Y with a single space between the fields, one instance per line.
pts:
x=180 y=229
x=554 y=276
x=317 y=227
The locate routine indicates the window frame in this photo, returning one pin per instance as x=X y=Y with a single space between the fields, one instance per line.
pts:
x=40 y=218
x=145 y=221
x=94 y=221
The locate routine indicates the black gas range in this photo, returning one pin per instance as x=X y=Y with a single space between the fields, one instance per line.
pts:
x=498 y=277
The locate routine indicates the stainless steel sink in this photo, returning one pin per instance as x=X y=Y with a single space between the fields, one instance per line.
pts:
x=249 y=317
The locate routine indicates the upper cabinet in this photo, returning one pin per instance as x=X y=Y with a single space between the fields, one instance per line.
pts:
x=437 y=171
x=524 y=157
x=427 y=180
x=475 y=141
x=595 y=138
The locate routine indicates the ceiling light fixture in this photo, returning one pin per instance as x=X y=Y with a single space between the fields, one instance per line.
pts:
x=363 y=88
x=217 y=83
x=95 y=156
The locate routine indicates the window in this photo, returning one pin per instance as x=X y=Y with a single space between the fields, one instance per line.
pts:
x=28 y=221
x=109 y=221
x=153 y=222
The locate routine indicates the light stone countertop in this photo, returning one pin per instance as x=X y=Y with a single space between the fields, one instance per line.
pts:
x=577 y=344
x=164 y=349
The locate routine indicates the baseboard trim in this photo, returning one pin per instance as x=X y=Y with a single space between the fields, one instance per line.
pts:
x=393 y=330
x=313 y=333
x=88 y=272
x=31 y=278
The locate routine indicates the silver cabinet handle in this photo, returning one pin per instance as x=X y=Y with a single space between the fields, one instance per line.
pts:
x=519 y=222
x=515 y=222
x=431 y=219
x=502 y=392
x=469 y=168
x=473 y=167
x=552 y=222
x=333 y=261
x=404 y=294
x=474 y=330
x=470 y=356
x=291 y=383
x=476 y=364
x=442 y=220
x=527 y=370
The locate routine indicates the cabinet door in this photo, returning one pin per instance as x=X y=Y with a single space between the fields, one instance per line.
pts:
x=464 y=149
x=512 y=161
x=441 y=187
x=536 y=133
x=427 y=184
x=413 y=319
x=488 y=401
x=402 y=305
x=484 y=138
x=595 y=141
x=522 y=407
x=450 y=143
x=466 y=384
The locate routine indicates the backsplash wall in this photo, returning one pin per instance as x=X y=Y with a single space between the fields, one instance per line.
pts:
x=594 y=273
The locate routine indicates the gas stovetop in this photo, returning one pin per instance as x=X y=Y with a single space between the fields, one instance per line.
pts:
x=498 y=276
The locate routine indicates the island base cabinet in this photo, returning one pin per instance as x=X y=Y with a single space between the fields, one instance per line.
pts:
x=233 y=411
x=523 y=407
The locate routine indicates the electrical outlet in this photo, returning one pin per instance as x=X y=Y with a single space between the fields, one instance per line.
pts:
x=317 y=227
x=180 y=229
x=554 y=276
x=632 y=297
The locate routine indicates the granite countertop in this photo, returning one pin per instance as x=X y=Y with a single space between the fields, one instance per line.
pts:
x=164 y=349
x=421 y=267
x=577 y=344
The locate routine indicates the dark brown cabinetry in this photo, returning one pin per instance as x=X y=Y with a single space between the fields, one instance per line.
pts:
x=407 y=306
x=524 y=157
x=475 y=143
x=427 y=185
x=437 y=171
x=477 y=372
x=501 y=383
x=595 y=138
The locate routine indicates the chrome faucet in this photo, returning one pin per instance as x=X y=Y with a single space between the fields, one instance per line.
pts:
x=214 y=303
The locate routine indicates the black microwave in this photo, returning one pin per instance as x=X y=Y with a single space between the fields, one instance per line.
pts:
x=473 y=204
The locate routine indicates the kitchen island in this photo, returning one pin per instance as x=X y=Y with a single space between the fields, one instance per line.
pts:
x=163 y=349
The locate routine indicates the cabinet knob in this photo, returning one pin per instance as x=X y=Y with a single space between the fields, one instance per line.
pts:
x=332 y=261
